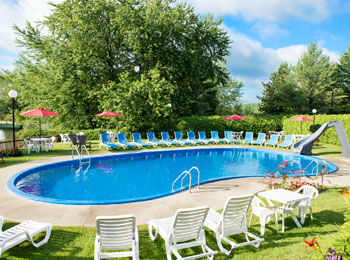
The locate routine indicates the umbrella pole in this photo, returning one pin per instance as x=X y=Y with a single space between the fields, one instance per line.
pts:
x=301 y=127
x=40 y=127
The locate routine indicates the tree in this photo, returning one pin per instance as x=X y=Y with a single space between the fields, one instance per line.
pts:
x=341 y=92
x=280 y=94
x=312 y=75
x=228 y=96
x=91 y=47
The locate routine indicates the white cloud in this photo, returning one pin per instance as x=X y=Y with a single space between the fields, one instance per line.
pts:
x=252 y=64
x=267 y=10
x=18 y=12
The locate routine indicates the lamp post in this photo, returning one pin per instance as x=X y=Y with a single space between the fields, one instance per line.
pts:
x=169 y=105
x=13 y=94
x=314 y=111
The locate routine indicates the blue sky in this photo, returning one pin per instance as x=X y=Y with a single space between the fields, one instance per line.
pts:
x=264 y=33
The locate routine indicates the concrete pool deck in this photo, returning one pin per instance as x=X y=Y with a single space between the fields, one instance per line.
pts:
x=214 y=195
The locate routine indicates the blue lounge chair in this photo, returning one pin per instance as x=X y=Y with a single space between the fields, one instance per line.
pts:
x=203 y=138
x=166 y=139
x=106 y=141
x=288 y=141
x=151 y=139
x=215 y=137
x=260 y=140
x=179 y=140
x=229 y=138
x=273 y=140
x=122 y=141
x=137 y=140
x=248 y=138
x=192 y=138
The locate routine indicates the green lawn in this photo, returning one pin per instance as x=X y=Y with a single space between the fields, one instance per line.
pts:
x=78 y=242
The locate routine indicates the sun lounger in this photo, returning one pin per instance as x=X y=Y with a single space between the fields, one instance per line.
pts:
x=229 y=137
x=105 y=141
x=192 y=138
x=232 y=221
x=184 y=230
x=178 y=139
x=288 y=141
x=122 y=141
x=203 y=137
x=260 y=140
x=137 y=140
x=166 y=139
x=248 y=138
x=151 y=139
x=273 y=140
x=215 y=137
x=22 y=232
x=116 y=234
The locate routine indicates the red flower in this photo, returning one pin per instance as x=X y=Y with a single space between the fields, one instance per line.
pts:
x=313 y=243
x=346 y=193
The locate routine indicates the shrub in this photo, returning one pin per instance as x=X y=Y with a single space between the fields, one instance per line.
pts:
x=329 y=136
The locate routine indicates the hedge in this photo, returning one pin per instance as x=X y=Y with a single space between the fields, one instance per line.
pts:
x=329 y=136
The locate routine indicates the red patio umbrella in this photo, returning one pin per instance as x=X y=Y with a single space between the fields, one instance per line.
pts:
x=108 y=113
x=301 y=119
x=234 y=117
x=40 y=112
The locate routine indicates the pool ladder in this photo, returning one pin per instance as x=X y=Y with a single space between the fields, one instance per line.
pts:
x=318 y=163
x=81 y=156
x=183 y=175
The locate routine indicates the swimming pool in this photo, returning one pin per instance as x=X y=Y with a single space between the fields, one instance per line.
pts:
x=147 y=175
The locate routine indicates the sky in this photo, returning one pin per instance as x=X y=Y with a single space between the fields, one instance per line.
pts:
x=264 y=33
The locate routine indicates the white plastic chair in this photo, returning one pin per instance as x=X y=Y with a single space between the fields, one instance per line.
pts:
x=310 y=191
x=259 y=209
x=116 y=233
x=184 y=230
x=50 y=143
x=22 y=232
x=29 y=146
x=232 y=221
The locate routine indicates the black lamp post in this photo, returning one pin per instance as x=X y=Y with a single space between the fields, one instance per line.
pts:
x=13 y=94
x=314 y=111
x=169 y=105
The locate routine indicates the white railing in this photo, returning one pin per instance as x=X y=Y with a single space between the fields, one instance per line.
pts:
x=81 y=156
x=318 y=163
x=183 y=175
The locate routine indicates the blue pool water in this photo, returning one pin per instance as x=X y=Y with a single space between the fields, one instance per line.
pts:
x=145 y=175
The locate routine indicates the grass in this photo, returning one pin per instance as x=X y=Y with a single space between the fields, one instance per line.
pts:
x=78 y=242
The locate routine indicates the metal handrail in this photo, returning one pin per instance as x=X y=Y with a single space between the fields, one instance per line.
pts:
x=317 y=165
x=183 y=175
x=76 y=149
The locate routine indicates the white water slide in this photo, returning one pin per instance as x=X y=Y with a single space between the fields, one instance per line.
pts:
x=304 y=146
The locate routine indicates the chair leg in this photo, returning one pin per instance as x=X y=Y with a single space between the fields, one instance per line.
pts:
x=250 y=219
x=310 y=213
x=282 y=216
x=262 y=225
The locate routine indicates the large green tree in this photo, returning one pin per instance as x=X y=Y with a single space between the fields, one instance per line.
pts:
x=86 y=51
x=312 y=73
x=280 y=94
x=341 y=92
x=228 y=96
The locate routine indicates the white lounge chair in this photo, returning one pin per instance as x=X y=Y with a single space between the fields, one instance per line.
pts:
x=22 y=232
x=259 y=209
x=116 y=233
x=64 y=138
x=232 y=221
x=310 y=191
x=184 y=230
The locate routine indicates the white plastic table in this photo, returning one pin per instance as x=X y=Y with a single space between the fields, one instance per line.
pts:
x=288 y=199
x=40 y=142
